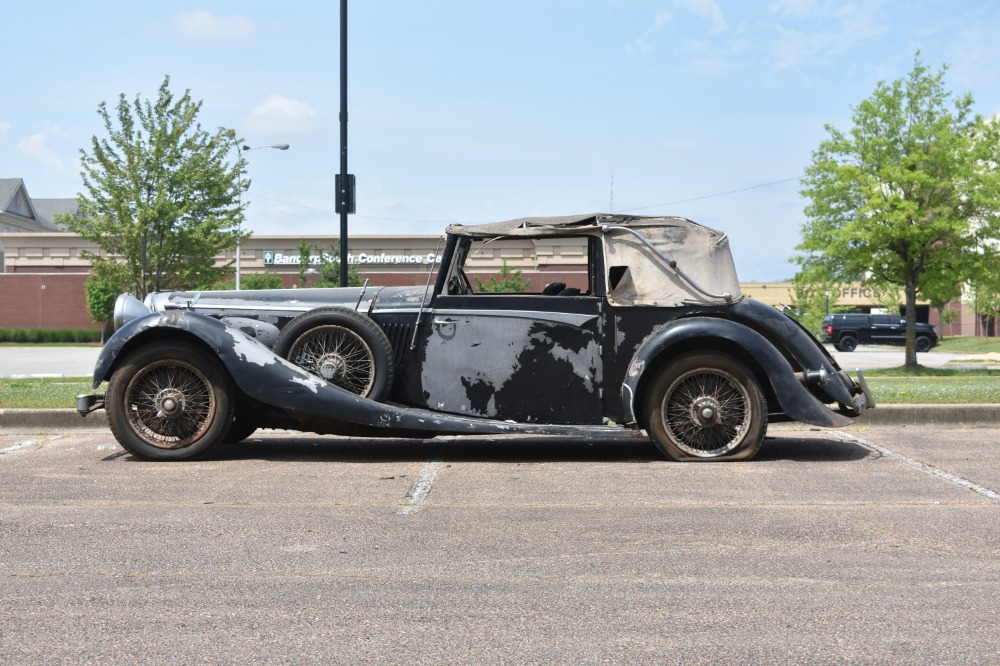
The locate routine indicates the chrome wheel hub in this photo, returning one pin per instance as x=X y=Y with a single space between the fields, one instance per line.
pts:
x=706 y=412
x=169 y=403
x=331 y=366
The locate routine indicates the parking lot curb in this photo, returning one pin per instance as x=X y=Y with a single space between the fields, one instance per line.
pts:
x=58 y=420
x=895 y=415
x=50 y=420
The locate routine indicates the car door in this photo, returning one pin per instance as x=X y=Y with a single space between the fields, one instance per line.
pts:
x=886 y=329
x=527 y=358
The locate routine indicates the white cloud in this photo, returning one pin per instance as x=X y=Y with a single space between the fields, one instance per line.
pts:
x=831 y=29
x=204 y=24
x=973 y=55
x=712 y=66
x=36 y=147
x=796 y=8
x=4 y=127
x=641 y=46
x=706 y=9
x=281 y=115
x=647 y=43
x=793 y=47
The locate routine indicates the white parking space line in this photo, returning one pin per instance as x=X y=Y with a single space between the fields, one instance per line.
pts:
x=924 y=467
x=420 y=489
x=21 y=445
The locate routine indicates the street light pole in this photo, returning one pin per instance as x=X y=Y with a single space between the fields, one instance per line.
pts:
x=240 y=152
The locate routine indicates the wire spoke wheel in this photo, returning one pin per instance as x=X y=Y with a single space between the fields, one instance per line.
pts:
x=706 y=406
x=170 y=404
x=706 y=412
x=342 y=347
x=170 y=400
x=338 y=355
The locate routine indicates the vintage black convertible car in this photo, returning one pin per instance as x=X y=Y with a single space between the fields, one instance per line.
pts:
x=656 y=335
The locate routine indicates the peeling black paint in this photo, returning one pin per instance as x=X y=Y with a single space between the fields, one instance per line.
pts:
x=479 y=393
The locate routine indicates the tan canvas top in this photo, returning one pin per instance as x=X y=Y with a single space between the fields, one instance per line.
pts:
x=653 y=261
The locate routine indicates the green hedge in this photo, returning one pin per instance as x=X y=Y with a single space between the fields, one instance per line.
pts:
x=49 y=335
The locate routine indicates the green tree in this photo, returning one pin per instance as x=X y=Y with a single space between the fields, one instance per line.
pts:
x=105 y=282
x=329 y=270
x=159 y=194
x=908 y=200
x=984 y=295
x=305 y=259
x=510 y=280
x=265 y=280
x=812 y=299
x=327 y=266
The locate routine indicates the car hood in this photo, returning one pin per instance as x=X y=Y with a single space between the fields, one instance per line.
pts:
x=288 y=302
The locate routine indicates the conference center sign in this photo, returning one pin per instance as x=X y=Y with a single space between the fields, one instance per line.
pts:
x=273 y=258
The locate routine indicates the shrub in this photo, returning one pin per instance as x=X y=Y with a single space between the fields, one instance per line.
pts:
x=49 y=335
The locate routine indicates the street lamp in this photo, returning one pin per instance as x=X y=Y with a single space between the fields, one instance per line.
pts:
x=240 y=186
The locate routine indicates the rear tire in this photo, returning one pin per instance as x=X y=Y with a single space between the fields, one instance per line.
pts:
x=706 y=406
x=170 y=401
x=848 y=343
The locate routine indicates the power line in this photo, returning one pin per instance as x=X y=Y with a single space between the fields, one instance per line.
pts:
x=627 y=210
x=369 y=217
x=712 y=196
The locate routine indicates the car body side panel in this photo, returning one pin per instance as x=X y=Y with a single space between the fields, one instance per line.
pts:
x=304 y=401
x=794 y=399
x=524 y=357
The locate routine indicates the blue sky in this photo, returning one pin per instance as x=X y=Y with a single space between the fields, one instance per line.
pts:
x=472 y=111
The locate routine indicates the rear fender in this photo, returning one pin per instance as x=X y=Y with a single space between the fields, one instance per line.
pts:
x=694 y=333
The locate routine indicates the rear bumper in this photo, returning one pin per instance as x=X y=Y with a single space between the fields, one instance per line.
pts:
x=861 y=396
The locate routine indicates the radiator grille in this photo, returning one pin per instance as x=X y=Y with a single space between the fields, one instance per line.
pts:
x=400 y=336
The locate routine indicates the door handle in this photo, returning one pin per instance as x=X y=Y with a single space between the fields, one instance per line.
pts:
x=443 y=322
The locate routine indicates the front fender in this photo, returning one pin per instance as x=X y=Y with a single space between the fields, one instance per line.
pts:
x=172 y=323
x=694 y=333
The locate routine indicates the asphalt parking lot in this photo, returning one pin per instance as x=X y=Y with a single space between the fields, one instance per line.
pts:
x=868 y=545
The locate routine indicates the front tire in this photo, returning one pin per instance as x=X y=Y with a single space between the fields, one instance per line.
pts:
x=706 y=406
x=169 y=401
x=923 y=344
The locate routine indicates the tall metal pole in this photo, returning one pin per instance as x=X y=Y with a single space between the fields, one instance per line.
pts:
x=239 y=206
x=345 y=192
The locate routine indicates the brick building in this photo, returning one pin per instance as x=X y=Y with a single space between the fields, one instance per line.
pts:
x=42 y=275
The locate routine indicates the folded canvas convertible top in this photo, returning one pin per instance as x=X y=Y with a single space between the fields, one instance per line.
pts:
x=681 y=262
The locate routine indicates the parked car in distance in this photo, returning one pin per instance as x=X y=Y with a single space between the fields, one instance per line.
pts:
x=653 y=335
x=847 y=331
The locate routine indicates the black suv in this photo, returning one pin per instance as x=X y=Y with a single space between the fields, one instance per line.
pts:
x=847 y=331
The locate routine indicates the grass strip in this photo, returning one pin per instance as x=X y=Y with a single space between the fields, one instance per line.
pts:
x=969 y=344
x=934 y=386
x=42 y=392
